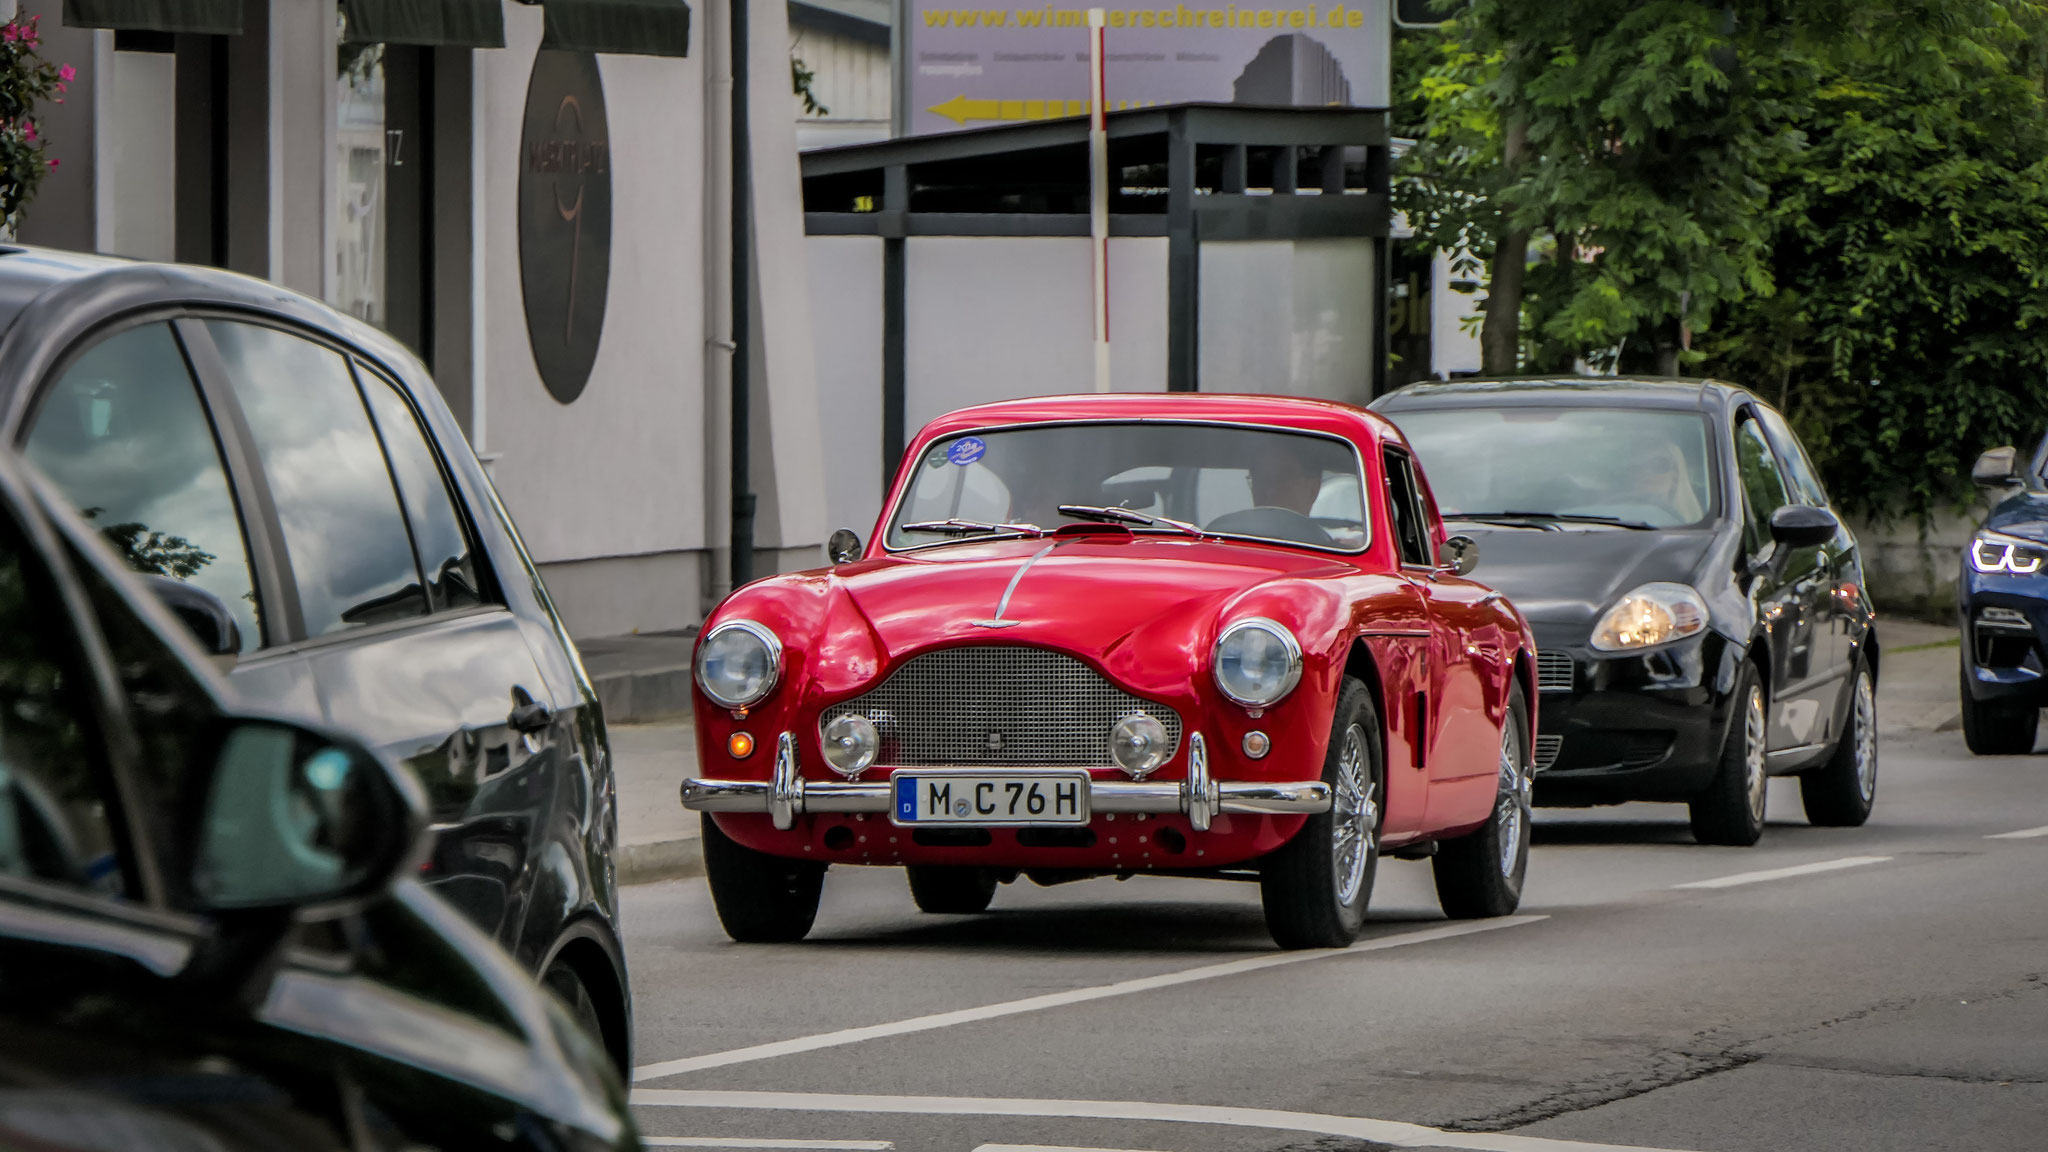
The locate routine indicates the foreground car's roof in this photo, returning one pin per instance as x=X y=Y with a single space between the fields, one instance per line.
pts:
x=1586 y=391
x=1283 y=411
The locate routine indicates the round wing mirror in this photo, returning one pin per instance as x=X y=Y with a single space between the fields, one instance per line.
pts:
x=1997 y=468
x=1461 y=555
x=844 y=546
x=294 y=818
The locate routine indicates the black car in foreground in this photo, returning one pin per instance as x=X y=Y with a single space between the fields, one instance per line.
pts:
x=2002 y=601
x=300 y=491
x=1699 y=611
x=209 y=937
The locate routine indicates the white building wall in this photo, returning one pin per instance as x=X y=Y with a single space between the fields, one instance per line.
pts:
x=618 y=473
x=1288 y=317
x=846 y=307
x=139 y=121
x=851 y=79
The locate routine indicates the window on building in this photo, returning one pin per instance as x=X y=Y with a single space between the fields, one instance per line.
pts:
x=124 y=434
x=351 y=555
x=382 y=214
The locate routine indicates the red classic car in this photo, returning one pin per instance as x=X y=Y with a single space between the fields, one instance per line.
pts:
x=1193 y=635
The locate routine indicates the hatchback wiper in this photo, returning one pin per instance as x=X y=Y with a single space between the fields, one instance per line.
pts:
x=958 y=527
x=1555 y=518
x=1110 y=514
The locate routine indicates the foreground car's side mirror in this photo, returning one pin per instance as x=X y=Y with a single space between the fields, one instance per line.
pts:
x=206 y=615
x=1460 y=555
x=1997 y=468
x=844 y=546
x=294 y=819
x=1803 y=526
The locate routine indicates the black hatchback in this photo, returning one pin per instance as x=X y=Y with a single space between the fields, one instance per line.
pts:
x=1699 y=609
x=209 y=933
x=302 y=496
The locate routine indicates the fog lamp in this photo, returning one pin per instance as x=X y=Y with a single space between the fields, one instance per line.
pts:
x=1138 y=745
x=850 y=744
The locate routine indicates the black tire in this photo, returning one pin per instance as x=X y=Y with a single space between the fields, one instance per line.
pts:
x=1308 y=904
x=567 y=985
x=1997 y=729
x=1479 y=874
x=1731 y=809
x=951 y=891
x=1839 y=793
x=761 y=899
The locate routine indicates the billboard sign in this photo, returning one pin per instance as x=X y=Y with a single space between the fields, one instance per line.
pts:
x=976 y=63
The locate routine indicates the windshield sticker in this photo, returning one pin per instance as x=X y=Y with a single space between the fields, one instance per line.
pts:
x=967 y=449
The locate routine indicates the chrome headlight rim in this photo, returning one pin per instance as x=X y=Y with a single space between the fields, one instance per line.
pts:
x=758 y=631
x=1272 y=628
x=1670 y=589
x=2007 y=550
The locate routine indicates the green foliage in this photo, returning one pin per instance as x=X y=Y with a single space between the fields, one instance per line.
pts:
x=801 y=78
x=1841 y=203
x=26 y=80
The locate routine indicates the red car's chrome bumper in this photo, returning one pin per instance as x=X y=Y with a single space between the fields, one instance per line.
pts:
x=788 y=795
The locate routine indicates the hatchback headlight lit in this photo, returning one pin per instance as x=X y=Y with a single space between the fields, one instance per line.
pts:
x=1652 y=614
x=1138 y=745
x=1257 y=662
x=738 y=663
x=1997 y=552
x=850 y=744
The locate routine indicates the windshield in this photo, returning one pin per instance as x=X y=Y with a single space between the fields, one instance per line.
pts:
x=1294 y=487
x=1638 y=467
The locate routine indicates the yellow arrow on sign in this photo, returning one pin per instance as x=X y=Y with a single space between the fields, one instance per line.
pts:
x=960 y=109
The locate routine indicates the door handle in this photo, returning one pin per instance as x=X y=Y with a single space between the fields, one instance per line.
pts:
x=532 y=716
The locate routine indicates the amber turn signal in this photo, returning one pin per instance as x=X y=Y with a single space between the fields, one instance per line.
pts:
x=1257 y=744
x=740 y=745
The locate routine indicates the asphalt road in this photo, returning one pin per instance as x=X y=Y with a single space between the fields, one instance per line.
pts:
x=1888 y=991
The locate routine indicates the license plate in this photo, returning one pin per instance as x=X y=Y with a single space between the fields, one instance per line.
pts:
x=1010 y=799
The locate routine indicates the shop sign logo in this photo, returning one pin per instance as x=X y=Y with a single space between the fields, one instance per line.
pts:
x=565 y=218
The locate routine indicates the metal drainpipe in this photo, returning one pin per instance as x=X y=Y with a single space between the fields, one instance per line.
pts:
x=742 y=543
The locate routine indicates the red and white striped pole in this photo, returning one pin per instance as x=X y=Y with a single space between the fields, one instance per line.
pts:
x=1098 y=194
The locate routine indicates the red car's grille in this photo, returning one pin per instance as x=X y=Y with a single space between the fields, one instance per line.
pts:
x=992 y=705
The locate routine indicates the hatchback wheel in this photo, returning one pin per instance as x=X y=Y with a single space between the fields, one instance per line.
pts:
x=1997 y=729
x=567 y=985
x=1480 y=873
x=1316 y=886
x=1839 y=793
x=959 y=891
x=1731 y=810
x=761 y=899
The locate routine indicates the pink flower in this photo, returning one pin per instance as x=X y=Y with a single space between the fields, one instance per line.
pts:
x=11 y=33
x=53 y=164
x=66 y=73
x=30 y=130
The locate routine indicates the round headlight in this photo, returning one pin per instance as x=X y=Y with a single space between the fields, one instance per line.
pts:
x=738 y=663
x=1257 y=662
x=1652 y=614
x=850 y=744
x=1138 y=744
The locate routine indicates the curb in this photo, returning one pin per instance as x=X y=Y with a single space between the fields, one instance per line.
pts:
x=644 y=696
x=652 y=860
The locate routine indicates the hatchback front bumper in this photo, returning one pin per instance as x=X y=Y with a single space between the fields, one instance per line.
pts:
x=787 y=795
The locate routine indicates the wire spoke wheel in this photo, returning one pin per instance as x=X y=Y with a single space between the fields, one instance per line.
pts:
x=1354 y=826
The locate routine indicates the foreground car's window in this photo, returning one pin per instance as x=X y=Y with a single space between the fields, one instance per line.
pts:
x=124 y=435
x=1294 y=487
x=1641 y=467
x=351 y=556
x=444 y=547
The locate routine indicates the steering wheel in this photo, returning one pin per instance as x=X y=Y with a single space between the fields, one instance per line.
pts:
x=1272 y=523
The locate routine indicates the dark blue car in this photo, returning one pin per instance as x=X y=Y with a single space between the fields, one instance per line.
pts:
x=2003 y=597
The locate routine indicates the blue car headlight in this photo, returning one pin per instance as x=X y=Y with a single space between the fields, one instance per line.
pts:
x=1997 y=552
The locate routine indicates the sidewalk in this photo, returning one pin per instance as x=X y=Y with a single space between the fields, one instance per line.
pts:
x=658 y=839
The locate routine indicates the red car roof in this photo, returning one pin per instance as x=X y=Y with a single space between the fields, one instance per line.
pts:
x=1284 y=411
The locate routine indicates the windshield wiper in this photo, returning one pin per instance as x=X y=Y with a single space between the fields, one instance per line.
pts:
x=1554 y=518
x=958 y=527
x=1109 y=514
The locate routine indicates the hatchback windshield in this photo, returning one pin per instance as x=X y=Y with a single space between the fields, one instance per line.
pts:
x=1230 y=481
x=1637 y=467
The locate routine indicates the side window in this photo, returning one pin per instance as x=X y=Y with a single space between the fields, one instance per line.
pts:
x=1799 y=469
x=351 y=556
x=54 y=820
x=124 y=435
x=1404 y=511
x=444 y=547
x=1763 y=488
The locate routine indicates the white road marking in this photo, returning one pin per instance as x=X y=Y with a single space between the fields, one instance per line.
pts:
x=1783 y=873
x=1045 y=1148
x=744 y=1142
x=2022 y=834
x=1392 y=1132
x=1059 y=999
x=777 y=1144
